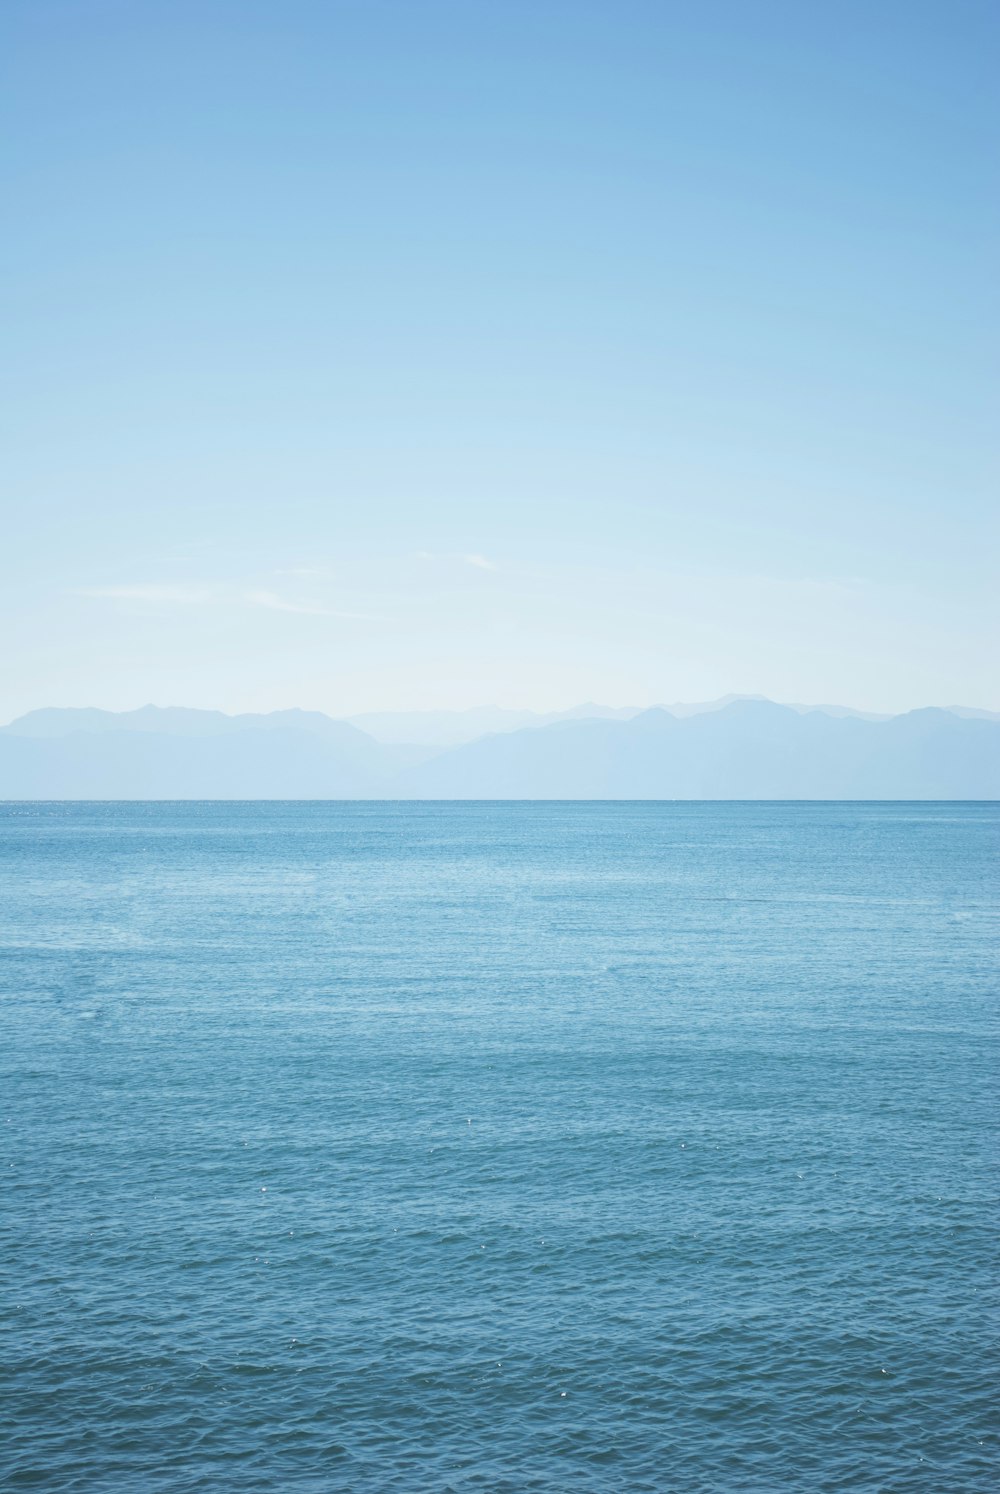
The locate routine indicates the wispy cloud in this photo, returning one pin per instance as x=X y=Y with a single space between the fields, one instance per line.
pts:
x=480 y=562
x=155 y=594
x=184 y=596
x=275 y=603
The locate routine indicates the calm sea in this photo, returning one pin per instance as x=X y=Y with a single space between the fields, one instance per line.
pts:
x=501 y=1147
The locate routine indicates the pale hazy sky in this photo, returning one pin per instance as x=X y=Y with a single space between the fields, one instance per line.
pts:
x=402 y=353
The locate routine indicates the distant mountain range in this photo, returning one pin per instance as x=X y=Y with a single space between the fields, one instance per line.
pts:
x=737 y=748
x=451 y=728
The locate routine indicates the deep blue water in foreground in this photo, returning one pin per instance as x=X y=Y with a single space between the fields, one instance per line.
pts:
x=610 y=1147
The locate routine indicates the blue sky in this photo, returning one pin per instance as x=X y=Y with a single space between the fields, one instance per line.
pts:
x=406 y=353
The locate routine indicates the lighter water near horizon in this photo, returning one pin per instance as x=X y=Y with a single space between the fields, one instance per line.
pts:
x=498 y=1147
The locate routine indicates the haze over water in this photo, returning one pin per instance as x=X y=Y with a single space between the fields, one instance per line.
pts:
x=551 y=1147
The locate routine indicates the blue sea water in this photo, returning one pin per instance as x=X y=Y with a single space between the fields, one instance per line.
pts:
x=498 y=1147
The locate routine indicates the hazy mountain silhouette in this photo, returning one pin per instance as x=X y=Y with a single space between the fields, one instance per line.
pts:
x=249 y=764
x=176 y=753
x=450 y=728
x=747 y=749
x=178 y=721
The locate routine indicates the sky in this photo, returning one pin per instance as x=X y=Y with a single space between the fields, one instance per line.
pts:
x=403 y=353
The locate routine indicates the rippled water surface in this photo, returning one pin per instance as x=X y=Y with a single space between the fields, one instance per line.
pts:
x=498 y=1147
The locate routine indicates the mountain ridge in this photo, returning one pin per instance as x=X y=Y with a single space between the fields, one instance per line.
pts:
x=429 y=728
x=746 y=749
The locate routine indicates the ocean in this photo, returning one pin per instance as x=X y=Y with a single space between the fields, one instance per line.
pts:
x=498 y=1147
